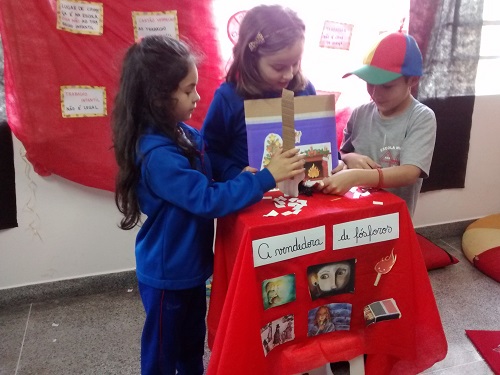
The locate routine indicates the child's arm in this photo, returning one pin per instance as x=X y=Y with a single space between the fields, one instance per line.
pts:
x=225 y=134
x=250 y=169
x=341 y=182
x=357 y=161
x=168 y=175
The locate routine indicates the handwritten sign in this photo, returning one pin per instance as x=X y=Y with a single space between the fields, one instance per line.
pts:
x=336 y=35
x=83 y=101
x=80 y=17
x=366 y=231
x=155 y=23
x=287 y=246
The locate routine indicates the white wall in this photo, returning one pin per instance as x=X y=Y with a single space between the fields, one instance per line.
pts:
x=481 y=195
x=77 y=225
x=77 y=231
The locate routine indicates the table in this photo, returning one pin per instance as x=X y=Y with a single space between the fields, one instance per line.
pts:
x=237 y=311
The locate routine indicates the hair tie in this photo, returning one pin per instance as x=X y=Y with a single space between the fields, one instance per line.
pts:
x=258 y=41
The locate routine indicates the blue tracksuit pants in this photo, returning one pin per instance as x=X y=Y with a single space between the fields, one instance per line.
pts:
x=173 y=337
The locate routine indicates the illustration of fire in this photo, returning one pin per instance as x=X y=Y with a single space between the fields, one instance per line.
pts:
x=384 y=266
x=313 y=172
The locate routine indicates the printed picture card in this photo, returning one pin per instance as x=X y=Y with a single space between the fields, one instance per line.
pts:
x=381 y=310
x=277 y=332
x=278 y=291
x=330 y=279
x=329 y=318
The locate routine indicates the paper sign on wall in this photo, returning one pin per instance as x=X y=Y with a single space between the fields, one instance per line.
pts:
x=287 y=246
x=80 y=17
x=336 y=35
x=366 y=231
x=155 y=23
x=83 y=101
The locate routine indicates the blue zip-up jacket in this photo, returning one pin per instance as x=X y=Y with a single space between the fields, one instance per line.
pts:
x=174 y=245
x=225 y=132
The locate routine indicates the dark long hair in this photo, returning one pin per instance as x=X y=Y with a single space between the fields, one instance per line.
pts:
x=151 y=72
x=281 y=28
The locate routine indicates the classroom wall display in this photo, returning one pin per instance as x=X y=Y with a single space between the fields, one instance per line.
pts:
x=62 y=65
x=336 y=35
x=80 y=17
x=83 y=101
x=154 y=23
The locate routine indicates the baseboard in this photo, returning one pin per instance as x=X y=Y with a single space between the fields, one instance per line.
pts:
x=444 y=230
x=68 y=288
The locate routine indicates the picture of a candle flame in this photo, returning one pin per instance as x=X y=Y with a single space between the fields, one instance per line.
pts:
x=384 y=266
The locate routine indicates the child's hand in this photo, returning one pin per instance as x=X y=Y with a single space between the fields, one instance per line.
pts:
x=358 y=161
x=339 y=183
x=285 y=165
x=250 y=169
x=340 y=166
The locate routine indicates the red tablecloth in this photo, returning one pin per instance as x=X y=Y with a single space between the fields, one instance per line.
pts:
x=236 y=315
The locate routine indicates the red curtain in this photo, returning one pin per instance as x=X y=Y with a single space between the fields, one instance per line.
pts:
x=39 y=59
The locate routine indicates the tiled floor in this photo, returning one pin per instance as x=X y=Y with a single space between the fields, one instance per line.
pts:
x=99 y=333
x=467 y=299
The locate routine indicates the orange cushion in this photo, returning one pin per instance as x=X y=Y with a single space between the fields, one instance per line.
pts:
x=481 y=245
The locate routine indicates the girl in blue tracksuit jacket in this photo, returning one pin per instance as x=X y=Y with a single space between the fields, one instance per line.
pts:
x=165 y=177
x=266 y=59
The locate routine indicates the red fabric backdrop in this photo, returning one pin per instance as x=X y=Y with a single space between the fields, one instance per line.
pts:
x=39 y=59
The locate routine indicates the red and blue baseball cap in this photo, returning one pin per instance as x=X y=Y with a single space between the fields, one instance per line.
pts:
x=392 y=56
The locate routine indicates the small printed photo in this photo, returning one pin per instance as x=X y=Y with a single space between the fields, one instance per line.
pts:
x=329 y=318
x=381 y=310
x=329 y=279
x=277 y=332
x=278 y=291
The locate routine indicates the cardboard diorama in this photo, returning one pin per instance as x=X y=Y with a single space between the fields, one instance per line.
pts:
x=309 y=120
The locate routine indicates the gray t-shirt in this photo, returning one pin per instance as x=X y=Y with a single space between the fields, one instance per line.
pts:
x=406 y=139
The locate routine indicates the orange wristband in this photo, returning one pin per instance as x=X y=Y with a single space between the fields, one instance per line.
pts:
x=380 y=179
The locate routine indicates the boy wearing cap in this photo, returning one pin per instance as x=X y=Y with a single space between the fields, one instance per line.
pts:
x=388 y=143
